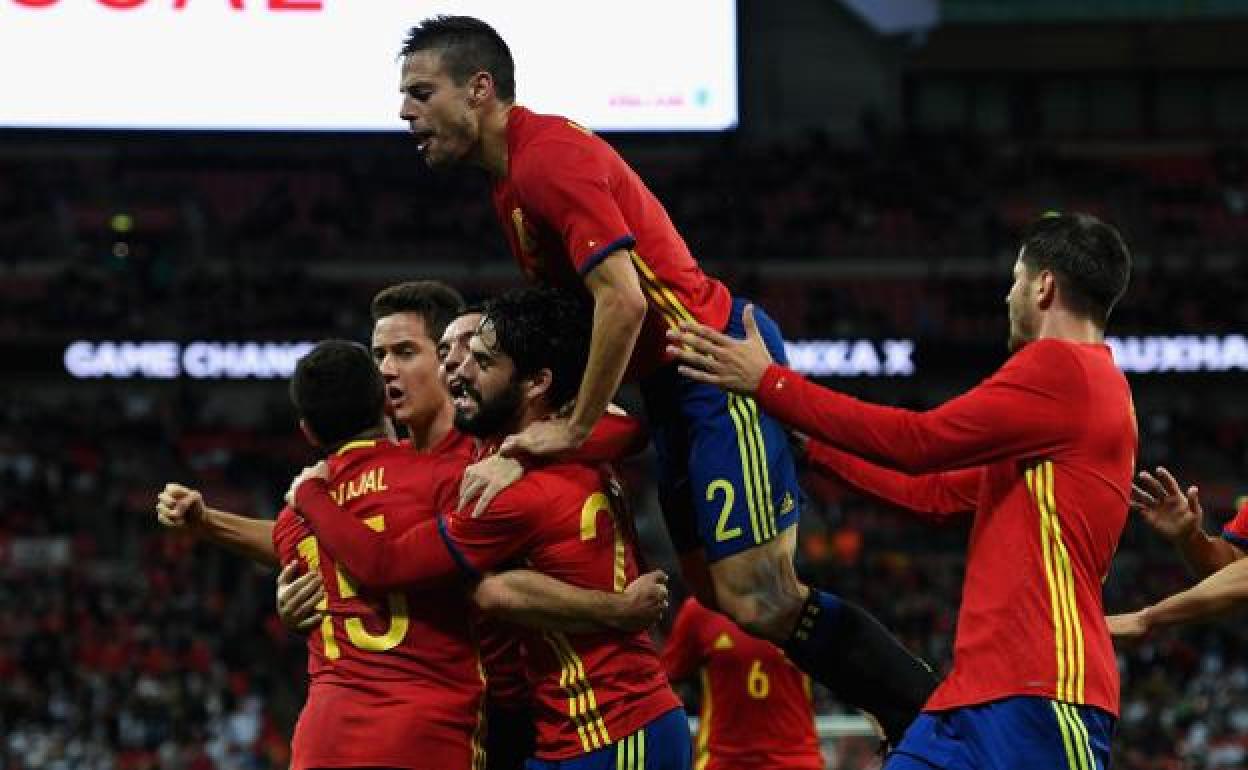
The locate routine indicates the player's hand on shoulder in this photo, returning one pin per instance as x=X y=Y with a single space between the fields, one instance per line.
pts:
x=543 y=439
x=485 y=479
x=643 y=602
x=318 y=471
x=1173 y=512
x=297 y=598
x=179 y=507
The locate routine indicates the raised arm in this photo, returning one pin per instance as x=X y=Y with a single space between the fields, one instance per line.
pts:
x=1176 y=515
x=180 y=507
x=938 y=498
x=1033 y=405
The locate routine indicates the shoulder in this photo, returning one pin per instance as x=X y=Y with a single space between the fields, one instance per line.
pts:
x=559 y=147
x=1047 y=363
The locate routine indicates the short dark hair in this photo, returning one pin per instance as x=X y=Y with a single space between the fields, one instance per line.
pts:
x=1088 y=256
x=467 y=46
x=434 y=301
x=337 y=390
x=543 y=328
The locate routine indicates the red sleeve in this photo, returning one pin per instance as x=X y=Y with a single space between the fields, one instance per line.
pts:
x=682 y=655
x=568 y=185
x=502 y=532
x=1033 y=405
x=1236 y=530
x=411 y=557
x=288 y=531
x=939 y=498
x=614 y=437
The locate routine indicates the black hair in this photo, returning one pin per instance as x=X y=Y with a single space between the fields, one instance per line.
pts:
x=1088 y=256
x=543 y=328
x=435 y=302
x=467 y=46
x=337 y=390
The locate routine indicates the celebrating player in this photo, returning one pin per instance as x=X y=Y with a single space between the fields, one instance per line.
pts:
x=1034 y=681
x=756 y=706
x=337 y=726
x=575 y=215
x=602 y=699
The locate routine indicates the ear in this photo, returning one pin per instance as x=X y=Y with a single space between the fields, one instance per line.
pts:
x=1045 y=288
x=538 y=385
x=308 y=433
x=481 y=88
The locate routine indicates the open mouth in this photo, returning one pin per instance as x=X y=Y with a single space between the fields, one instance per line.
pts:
x=394 y=395
x=423 y=139
x=463 y=397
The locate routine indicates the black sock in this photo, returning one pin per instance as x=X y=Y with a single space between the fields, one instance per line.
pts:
x=848 y=651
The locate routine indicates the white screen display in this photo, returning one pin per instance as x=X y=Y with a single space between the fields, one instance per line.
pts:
x=331 y=65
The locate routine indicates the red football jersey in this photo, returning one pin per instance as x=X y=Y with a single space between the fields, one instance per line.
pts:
x=560 y=519
x=756 y=705
x=1236 y=530
x=590 y=690
x=569 y=200
x=395 y=679
x=1054 y=431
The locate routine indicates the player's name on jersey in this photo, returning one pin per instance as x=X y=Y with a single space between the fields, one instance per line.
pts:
x=200 y=360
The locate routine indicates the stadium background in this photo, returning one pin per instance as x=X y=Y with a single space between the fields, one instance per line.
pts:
x=872 y=191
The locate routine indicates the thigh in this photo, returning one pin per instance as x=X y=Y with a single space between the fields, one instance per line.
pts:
x=742 y=472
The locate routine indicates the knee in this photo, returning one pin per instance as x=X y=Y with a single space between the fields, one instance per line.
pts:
x=763 y=611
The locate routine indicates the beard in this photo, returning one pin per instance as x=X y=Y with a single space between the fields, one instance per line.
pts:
x=493 y=417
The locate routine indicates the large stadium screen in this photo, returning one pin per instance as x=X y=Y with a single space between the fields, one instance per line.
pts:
x=331 y=65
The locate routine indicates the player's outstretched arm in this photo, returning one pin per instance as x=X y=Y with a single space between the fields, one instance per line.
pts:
x=1034 y=404
x=539 y=601
x=1217 y=594
x=1176 y=514
x=619 y=311
x=937 y=498
x=181 y=507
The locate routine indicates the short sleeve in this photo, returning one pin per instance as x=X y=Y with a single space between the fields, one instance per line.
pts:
x=569 y=186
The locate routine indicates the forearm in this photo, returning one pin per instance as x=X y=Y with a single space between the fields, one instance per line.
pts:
x=619 y=312
x=1215 y=595
x=538 y=601
x=252 y=538
x=995 y=420
x=936 y=497
x=1205 y=554
x=411 y=558
x=613 y=437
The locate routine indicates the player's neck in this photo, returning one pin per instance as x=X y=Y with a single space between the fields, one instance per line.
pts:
x=428 y=434
x=493 y=149
x=1061 y=324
